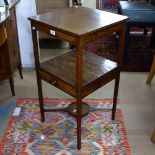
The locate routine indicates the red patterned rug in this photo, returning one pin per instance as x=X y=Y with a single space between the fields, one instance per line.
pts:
x=26 y=135
x=140 y=55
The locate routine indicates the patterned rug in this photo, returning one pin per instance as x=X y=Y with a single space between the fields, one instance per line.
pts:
x=140 y=56
x=26 y=135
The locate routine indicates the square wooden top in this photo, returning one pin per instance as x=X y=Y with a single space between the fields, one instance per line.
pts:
x=78 y=20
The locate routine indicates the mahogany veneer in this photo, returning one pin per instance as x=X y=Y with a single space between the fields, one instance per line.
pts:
x=77 y=72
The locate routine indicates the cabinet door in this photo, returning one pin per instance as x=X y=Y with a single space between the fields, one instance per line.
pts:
x=13 y=44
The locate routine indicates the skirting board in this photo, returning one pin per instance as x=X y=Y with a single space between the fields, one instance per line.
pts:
x=28 y=66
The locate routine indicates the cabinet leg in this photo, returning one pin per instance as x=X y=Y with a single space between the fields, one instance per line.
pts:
x=115 y=97
x=12 y=85
x=153 y=137
x=79 y=118
x=41 y=103
x=152 y=72
x=20 y=71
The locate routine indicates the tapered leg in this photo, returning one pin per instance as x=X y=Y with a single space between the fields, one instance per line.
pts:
x=39 y=83
x=152 y=72
x=37 y=62
x=12 y=86
x=153 y=137
x=79 y=118
x=20 y=71
x=115 y=97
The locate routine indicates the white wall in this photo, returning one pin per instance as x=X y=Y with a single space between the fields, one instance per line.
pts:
x=25 y=9
x=86 y=3
x=89 y=3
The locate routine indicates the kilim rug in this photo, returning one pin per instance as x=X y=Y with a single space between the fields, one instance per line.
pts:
x=26 y=135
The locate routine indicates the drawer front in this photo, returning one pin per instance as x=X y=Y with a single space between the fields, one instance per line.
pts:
x=57 y=82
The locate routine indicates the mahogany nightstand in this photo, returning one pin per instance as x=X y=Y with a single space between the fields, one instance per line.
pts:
x=77 y=72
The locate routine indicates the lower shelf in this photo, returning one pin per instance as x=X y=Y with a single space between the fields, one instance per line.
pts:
x=61 y=72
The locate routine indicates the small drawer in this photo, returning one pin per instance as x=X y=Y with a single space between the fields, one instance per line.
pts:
x=47 y=77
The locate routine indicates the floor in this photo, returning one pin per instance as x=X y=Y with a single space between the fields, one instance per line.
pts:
x=136 y=97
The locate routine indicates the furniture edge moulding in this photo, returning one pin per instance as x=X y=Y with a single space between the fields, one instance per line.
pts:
x=52 y=31
x=72 y=38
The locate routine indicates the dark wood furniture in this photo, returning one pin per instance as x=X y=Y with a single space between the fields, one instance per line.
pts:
x=153 y=136
x=77 y=72
x=148 y=81
x=152 y=72
x=9 y=50
x=141 y=14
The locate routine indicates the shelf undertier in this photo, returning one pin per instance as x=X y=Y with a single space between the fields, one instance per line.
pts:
x=61 y=72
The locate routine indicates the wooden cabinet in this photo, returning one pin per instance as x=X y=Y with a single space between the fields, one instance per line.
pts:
x=9 y=50
x=4 y=69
